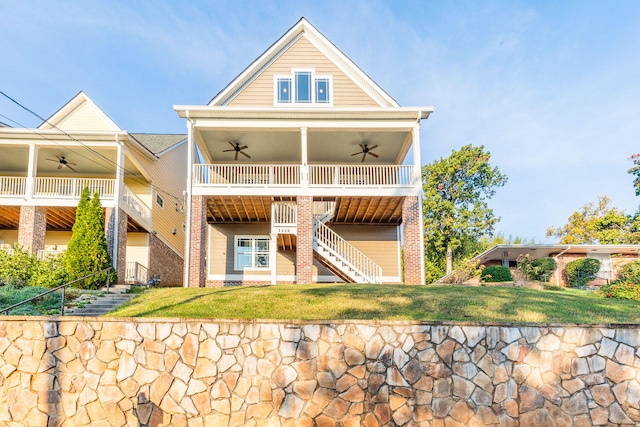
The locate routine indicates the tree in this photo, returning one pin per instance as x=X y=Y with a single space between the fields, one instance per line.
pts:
x=598 y=223
x=87 y=251
x=635 y=170
x=456 y=213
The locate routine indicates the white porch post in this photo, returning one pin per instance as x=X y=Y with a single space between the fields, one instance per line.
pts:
x=417 y=164
x=273 y=254
x=117 y=196
x=187 y=243
x=31 y=171
x=304 y=168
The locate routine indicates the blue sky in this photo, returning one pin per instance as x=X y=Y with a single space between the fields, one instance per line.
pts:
x=551 y=89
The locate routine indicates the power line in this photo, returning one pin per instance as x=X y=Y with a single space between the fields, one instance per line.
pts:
x=130 y=174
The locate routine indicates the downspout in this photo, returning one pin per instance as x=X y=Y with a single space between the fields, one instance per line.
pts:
x=558 y=268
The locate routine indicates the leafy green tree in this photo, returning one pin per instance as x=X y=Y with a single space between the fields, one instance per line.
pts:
x=456 y=213
x=598 y=223
x=635 y=171
x=87 y=250
x=581 y=271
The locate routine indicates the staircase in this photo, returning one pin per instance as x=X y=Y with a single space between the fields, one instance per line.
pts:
x=93 y=305
x=336 y=254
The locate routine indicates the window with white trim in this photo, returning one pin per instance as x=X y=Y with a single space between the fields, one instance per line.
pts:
x=159 y=200
x=606 y=265
x=303 y=87
x=251 y=252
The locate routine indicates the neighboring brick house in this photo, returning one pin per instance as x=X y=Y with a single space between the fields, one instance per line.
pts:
x=612 y=258
x=140 y=179
x=297 y=174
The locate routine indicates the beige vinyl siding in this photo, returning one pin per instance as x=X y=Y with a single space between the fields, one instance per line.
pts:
x=84 y=118
x=138 y=248
x=168 y=174
x=380 y=243
x=303 y=54
x=8 y=238
x=57 y=240
x=221 y=247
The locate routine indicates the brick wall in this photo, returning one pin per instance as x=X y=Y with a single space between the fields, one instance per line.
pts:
x=413 y=240
x=163 y=261
x=32 y=227
x=304 y=250
x=198 y=247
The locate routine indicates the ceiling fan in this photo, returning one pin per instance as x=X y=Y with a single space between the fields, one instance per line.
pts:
x=63 y=162
x=366 y=150
x=238 y=149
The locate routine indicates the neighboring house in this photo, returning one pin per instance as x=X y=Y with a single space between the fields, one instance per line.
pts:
x=611 y=257
x=297 y=174
x=140 y=179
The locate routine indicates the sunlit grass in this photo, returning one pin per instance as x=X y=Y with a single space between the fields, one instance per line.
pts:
x=383 y=302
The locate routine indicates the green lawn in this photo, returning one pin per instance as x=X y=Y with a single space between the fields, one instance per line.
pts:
x=383 y=302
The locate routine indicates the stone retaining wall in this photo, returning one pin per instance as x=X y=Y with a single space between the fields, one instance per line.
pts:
x=116 y=372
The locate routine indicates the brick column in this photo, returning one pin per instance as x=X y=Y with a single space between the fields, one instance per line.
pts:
x=32 y=227
x=304 y=250
x=117 y=250
x=413 y=241
x=109 y=228
x=198 y=247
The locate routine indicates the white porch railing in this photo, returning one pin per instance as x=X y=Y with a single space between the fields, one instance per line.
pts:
x=71 y=188
x=13 y=186
x=246 y=175
x=352 y=259
x=44 y=254
x=284 y=217
x=323 y=211
x=358 y=175
x=134 y=202
x=136 y=273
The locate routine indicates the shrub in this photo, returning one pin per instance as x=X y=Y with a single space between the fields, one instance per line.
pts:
x=50 y=272
x=48 y=304
x=621 y=290
x=631 y=272
x=542 y=268
x=496 y=273
x=17 y=268
x=581 y=271
x=466 y=270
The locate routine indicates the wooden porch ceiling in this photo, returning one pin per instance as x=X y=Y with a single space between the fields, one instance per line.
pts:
x=58 y=219
x=349 y=210
x=368 y=210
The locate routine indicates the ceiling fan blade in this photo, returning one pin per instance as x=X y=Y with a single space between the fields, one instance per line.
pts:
x=226 y=151
x=71 y=163
x=363 y=157
x=373 y=148
x=67 y=165
x=245 y=154
x=355 y=154
x=243 y=147
x=232 y=144
x=60 y=166
x=373 y=154
x=362 y=146
x=53 y=160
x=236 y=156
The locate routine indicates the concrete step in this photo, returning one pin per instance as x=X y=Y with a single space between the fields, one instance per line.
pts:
x=100 y=305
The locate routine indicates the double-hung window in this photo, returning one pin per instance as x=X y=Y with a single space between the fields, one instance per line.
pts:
x=251 y=252
x=303 y=87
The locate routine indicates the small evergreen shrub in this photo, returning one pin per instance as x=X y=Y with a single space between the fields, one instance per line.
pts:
x=631 y=272
x=542 y=268
x=17 y=267
x=581 y=271
x=496 y=273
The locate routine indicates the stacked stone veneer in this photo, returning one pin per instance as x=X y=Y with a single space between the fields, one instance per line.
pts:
x=103 y=372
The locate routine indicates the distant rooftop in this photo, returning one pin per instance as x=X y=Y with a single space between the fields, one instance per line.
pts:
x=157 y=142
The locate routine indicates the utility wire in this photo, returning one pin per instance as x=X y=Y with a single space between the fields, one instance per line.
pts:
x=125 y=171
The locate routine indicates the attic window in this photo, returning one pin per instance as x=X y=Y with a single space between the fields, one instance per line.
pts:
x=303 y=87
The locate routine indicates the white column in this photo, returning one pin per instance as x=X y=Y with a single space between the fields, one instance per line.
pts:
x=417 y=164
x=273 y=254
x=32 y=170
x=187 y=242
x=304 y=168
x=117 y=197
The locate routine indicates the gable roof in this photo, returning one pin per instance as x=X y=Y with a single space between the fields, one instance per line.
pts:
x=91 y=113
x=304 y=29
x=156 y=142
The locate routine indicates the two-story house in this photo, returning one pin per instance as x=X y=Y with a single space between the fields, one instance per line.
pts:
x=140 y=179
x=297 y=173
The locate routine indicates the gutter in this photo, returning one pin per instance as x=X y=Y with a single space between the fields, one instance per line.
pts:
x=558 y=268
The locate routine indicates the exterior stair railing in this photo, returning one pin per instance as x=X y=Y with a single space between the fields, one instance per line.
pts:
x=347 y=258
